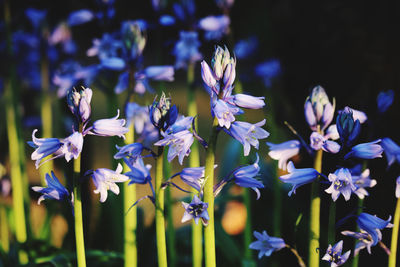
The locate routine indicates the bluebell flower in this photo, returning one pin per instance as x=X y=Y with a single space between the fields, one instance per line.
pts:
x=113 y=63
x=208 y=76
x=132 y=151
x=364 y=240
x=268 y=70
x=44 y=147
x=372 y=225
x=284 y=151
x=334 y=254
x=196 y=210
x=298 y=177
x=332 y=132
x=53 y=190
x=369 y=150
x=105 y=179
x=140 y=173
x=80 y=17
x=186 y=50
x=79 y=103
x=72 y=146
x=317 y=142
x=266 y=244
x=342 y=183
x=246 y=48
x=362 y=180
x=36 y=16
x=318 y=109
x=214 y=26
x=398 y=187
x=225 y=113
x=106 y=47
x=181 y=124
x=184 y=10
x=138 y=115
x=179 y=144
x=391 y=149
x=358 y=115
x=193 y=177
x=385 y=100
x=348 y=127
x=166 y=20
x=248 y=101
x=157 y=73
x=109 y=127
x=248 y=134
x=162 y=113
x=244 y=177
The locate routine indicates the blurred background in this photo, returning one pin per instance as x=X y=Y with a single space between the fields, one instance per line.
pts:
x=351 y=48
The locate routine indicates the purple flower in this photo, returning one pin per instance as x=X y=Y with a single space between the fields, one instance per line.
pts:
x=215 y=26
x=225 y=113
x=53 y=190
x=186 y=50
x=79 y=103
x=132 y=151
x=207 y=75
x=44 y=147
x=5 y=186
x=140 y=173
x=342 y=183
x=193 y=177
x=248 y=101
x=109 y=127
x=372 y=225
x=358 y=115
x=72 y=146
x=391 y=149
x=284 y=151
x=244 y=177
x=369 y=150
x=266 y=244
x=318 y=109
x=36 y=16
x=248 y=134
x=137 y=114
x=80 y=16
x=105 y=179
x=246 y=48
x=361 y=181
x=179 y=144
x=320 y=142
x=347 y=126
x=162 y=113
x=385 y=100
x=106 y=47
x=298 y=177
x=398 y=187
x=196 y=210
x=364 y=240
x=113 y=63
x=268 y=70
x=334 y=254
x=157 y=73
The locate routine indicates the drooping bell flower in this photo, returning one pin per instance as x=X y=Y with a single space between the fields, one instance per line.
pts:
x=334 y=254
x=109 y=127
x=283 y=152
x=53 y=190
x=266 y=244
x=385 y=100
x=298 y=177
x=372 y=225
x=369 y=150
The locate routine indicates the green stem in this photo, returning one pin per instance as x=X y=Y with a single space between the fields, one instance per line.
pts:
x=160 y=220
x=5 y=242
x=130 y=219
x=194 y=161
x=170 y=215
x=209 y=232
x=395 y=236
x=355 y=260
x=313 y=256
x=79 y=239
x=331 y=222
x=17 y=182
x=247 y=230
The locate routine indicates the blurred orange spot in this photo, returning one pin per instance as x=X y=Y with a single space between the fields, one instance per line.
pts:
x=234 y=219
x=59 y=228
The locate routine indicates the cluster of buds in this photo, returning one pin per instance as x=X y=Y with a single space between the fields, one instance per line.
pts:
x=347 y=126
x=133 y=38
x=318 y=109
x=162 y=113
x=79 y=103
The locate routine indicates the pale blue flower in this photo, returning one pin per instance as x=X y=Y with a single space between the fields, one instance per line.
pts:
x=246 y=47
x=106 y=47
x=44 y=147
x=362 y=181
x=317 y=142
x=385 y=100
x=266 y=244
x=208 y=76
x=72 y=146
x=179 y=144
x=364 y=240
x=248 y=101
x=186 y=50
x=225 y=113
x=196 y=210
x=132 y=151
x=109 y=127
x=80 y=17
x=193 y=177
x=113 y=63
x=369 y=150
x=140 y=173
x=298 y=177
x=248 y=134
x=105 y=179
x=244 y=177
x=391 y=149
x=342 y=183
x=334 y=254
x=53 y=190
x=215 y=26
x=372 y=225
x=283 y=152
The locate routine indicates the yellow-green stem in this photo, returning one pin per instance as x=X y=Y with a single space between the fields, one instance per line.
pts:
x=209 y=231
x=5 y=242
x=160 y=220
x=130 y=219
x=79 y=239
x=313 y=256
x=247 y=229
x=194 y=161
x=395 y=235
x=171 y=246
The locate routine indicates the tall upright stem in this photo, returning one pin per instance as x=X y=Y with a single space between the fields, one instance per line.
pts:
x=171 y=247
x=194 y=161
x=79 y=239
x=395 y=236
x=313 y=256
x=160 y=220
x=17 y=182
x=4 y=239
x=130 y=219
x=209 y=232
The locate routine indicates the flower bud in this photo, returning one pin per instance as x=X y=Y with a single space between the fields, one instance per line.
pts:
x=318 y=109
x=133 y=37
x=79 y=103
x=207 y=75
x=347 y=127
x=162 y=114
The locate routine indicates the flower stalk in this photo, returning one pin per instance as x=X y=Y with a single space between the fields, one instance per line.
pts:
x=395 y=235
x=160 y=220
x=5 y=242
x=170 y=215
x=313 y=256
x=209 y=231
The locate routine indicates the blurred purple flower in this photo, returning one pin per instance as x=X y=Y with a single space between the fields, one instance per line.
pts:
x=268 y=70
x=391 y=149
x=385 y=100
x=214 y=26
x=266 y=244
x=283 y=152
x=80 y=17
x=186 y=49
